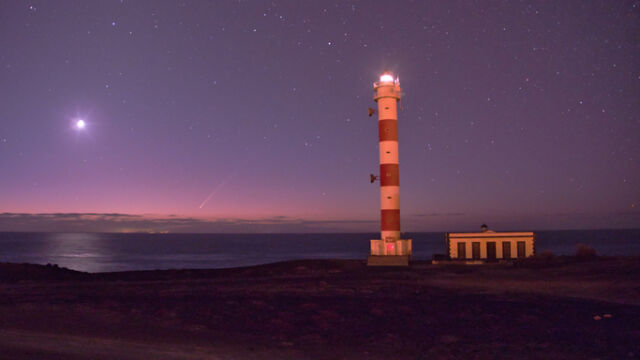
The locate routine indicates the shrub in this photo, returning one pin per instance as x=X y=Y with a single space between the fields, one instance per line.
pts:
x=584 y=251
x=546 y=255
x=541 y=259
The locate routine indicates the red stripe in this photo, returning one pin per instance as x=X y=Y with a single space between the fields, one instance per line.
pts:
x=390 y=220
x=389 y=175
x=388 y=130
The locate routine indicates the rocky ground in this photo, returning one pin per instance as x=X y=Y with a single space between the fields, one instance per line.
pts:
x=554 y=308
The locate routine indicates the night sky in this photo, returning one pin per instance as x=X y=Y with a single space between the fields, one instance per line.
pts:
x=252 y=116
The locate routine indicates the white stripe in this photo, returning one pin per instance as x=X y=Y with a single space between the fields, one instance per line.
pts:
x=388 y=152
x=390 y=234
x=391 y=112
x=389 y=197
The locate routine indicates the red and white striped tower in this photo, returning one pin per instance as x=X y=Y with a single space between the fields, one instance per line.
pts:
x=390 y=249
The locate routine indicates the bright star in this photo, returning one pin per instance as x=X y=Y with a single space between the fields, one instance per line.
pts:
x=80 y=124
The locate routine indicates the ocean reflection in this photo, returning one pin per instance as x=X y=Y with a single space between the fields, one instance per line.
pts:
x=84 y=252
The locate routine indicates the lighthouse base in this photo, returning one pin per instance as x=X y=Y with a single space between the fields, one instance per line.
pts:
x=390 y=252
x=388 y=260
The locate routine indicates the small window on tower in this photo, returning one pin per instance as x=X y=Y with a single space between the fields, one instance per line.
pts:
x=387 y=129
x=389 y=197
x=386 y=108
x=388 y=152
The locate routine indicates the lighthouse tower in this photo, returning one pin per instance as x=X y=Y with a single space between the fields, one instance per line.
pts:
x=390 y=249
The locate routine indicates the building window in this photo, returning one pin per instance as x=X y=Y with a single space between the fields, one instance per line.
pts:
x=462 y=250
x=521 y=249
x=506 y=249
x=475 y=250
x=491 y=250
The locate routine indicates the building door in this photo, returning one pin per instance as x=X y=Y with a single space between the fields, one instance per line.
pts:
x=491 y=250
x=521 y=249
x=475 y=250
x=462 y=250
x=506 y=250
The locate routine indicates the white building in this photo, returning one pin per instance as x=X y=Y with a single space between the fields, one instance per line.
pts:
x=489 y=245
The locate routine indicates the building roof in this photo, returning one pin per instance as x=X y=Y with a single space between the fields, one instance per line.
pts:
x=492 y=234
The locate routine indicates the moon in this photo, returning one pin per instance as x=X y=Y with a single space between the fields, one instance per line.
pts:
x=80 y=124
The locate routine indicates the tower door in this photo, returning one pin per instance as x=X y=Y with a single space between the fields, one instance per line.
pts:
x=491 y=250
x=391 y=248
x=462 y=250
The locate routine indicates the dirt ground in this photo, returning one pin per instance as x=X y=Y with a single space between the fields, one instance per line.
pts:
x=560 y=308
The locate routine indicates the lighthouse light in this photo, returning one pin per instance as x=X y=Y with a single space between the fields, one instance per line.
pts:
x=386 y=78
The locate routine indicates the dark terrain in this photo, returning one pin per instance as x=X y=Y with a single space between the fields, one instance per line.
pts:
x=555 y=308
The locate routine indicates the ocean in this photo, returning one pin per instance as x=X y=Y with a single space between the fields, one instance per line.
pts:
x=100 y=252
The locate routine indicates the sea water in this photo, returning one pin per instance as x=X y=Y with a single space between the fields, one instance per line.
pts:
x=99 y=252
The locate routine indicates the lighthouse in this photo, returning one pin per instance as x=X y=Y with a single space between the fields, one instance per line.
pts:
x=390 y=249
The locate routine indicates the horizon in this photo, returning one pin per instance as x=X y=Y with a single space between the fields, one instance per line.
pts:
x=173 y=224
